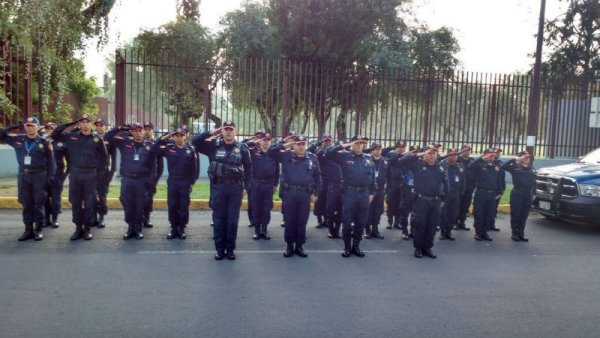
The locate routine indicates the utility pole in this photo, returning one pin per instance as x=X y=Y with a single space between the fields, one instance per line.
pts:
x=534 y=96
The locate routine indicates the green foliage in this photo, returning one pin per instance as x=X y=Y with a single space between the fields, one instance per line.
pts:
x=188 y=10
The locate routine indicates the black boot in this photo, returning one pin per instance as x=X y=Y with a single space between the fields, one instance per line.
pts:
x=449 y=235
x=300 y=251
x=390 y=223
x=147 y=223
x=397 y=224
x=442 y=235
x=257 y=232
x=182 y=234
x=28 y=232
x=368 y=232
x=174 y=232
x=289 y=251
x=263 y=233
x=47 y=221
x=515 y=236
x=37 y=232
x=375 y=232
x=78 y=232
x=405 y=235
x=138 y=230
x=87 y=232
x=130 y=233
x=522 y=236
x=356 y=249
x=101 y=223
x=347 y=249
x=54 y=221
x=320 y=223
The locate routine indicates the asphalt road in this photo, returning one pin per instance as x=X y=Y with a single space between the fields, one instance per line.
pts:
x=160 y=288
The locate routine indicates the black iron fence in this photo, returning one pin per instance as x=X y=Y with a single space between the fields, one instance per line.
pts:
x=15 y=84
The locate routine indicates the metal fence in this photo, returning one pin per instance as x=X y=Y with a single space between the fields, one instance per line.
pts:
x=15 y=84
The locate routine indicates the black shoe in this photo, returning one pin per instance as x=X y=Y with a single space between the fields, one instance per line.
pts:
x=148 y=225
x=212 y=224
x=346 y=253
x=47 y=222
x=77 y=234
x=38 y=236
x=87 y=235
x=389 y=226
x=410 y=235
x=487 y=237
x=300 y=251
x=429 y=253
x=418 y=253
x=357 y=251
x=289 y=251
x=397 y=226
x=283 y=224
x=101 y=223
x=450 y=236
x=321 y=225
x=405 y=236
x=230 y=255
x=442 y=235
x=129 y=234
x=139 y=235
x=26 y=235
x=377 y=235
x=173 y=233
x=54 y=221
x=522 y=237
x=219 y=255
x=183 y=235
x=264 y=234
x=367 y=235
x=256 y=236
x=478 y=237
x=250 y=225
x=333 y=236
x=515 y=236
x=495 y=228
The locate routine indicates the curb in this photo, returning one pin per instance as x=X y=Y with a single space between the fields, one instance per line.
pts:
x=161 y=204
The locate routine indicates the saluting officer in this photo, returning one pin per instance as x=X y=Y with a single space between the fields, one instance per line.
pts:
x=489 y=187
x=499 y=163
x=381 y=166
x=456 y=187
x=331 y=177
x=301 y=182
x=230 y=171
x=289 y=138
x=430 y=192
x=54 y=198
x=104 y=176
x=358 y=173
x=395 y=183
x=87 y=157
x=182 y=164
x=138 y=170
x=151 y=186
x=265 y=178
x=467 y=196
x=251 y=145
x=36 y=168
x=320 y=207
x=521 y=196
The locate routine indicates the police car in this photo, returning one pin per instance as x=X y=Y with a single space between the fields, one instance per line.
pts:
x=571 y=191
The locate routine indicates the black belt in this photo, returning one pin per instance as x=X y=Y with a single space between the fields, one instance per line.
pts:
x=297 y=187
x=176 y=177
x=357 y=188
x=225 y=180
x=267 y=181
x=335 y=184
x=83 y=170
x=487 y=190
x=428 y=198
x=33 y=171
x=135 y=175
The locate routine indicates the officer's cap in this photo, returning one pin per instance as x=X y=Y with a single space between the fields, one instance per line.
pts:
x=327 y=137
x=149 y=125
x=452 y=151
x=524 y=153
x=259 y=132
x=375 y=145
x=497 y=149
x=360 y=138
x=489 y=152
x=136 y=125
x=85 y=117
x=401 y=144
x=300 y=139
x=436 y=144
x=185 y=129
x=430 y=148
x=32 y=121
x=180 y=131
x=228 y=125
x=50 y=125
x=99 y=121
x=466 y=146
x=264 y=136
x=414 y=148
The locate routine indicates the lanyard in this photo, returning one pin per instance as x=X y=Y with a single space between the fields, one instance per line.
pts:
x=28 y=147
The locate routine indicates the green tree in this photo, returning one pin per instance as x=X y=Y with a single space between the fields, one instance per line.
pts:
x=188 y=10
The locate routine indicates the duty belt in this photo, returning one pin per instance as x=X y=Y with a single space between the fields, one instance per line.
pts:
x=33 y=171
x=225 y=180
x=428 y=198
x=135 y=175
x=83 y=170
x=357 y=188
x=297 y=187
x=487 y=190
x=265 y=181
x=176 y=177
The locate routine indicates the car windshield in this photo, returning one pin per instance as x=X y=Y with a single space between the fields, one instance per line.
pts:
x=593 y=157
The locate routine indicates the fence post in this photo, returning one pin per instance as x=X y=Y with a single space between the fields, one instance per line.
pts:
x=492 y=120
x=428 y=98
x=120 y=89
x=285 y=100
x=207 y=103
x=26 y=109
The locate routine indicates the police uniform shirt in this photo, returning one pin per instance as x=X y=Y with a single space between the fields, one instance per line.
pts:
x=59 y=149
x=264 y=167
x=34 y=154
x=330 y=170
x=298 y=171
x=523 y=177
x=486 y=176
x=357 y=170
x=136 y=157
x=382 y=166
x=84 y=151
x=430 y=180
x=182 y=163
x=456 y=177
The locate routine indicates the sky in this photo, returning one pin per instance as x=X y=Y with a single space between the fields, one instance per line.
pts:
x=496 y=36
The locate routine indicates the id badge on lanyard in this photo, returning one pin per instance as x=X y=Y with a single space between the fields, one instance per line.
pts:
x=456 y=179
x=27 y=160
x=377 y=174
x=136 y=157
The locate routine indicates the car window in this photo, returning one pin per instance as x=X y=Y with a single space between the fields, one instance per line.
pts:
x=593 y=157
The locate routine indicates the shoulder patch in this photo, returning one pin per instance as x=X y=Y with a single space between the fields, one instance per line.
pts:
x=96 y=139
x=41 y=146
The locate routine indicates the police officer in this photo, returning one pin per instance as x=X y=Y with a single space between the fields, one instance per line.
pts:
x=331 y=178
x=466 y=197
x=301 y=182
x=521 y=196
x=151 y=186
x=430 y=191
x=138 y=170
x=182 y=164
x=487 y=178
x=358 y=174
x=104 y=176
x=87 y=157
x=320 y=207
x=251 y=145
x=395 y=183
x=406 y=201
x=265 y=178
x=230 y=171
x=381 y=166
x=289 y=138
x=54 y=191
x=499 y=163
x=456 y=187
x=36 y=168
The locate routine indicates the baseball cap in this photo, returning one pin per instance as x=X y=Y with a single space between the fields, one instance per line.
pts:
x=85 y=117
x=99 y=121
x=524 y=153
x=136 y=125
x=179 y=131
x=264 y=136
x=300 y=139
x=148 y=125
x=32 y=121
x=375 y=145
x=452 y=151
x=50 y=125
x=228 y=125
x=363 y=139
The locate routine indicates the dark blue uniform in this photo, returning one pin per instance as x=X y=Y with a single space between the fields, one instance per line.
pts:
x=493 y=226
x=521 y=196
x=466 y=197
x=138 y=169
x=55 y=189
x=300 y=178
x=230 y=172
x=182 y=164
x=488 y=182
x=456 y=187
x=105 y=176
x=358 y=174
x=87 y=156
x=151 y=189
x=393 y=198
x=381 y=167
x=320 y=207
x=36 y=168
x=331 y=178
x=430 y=191
x=265 y=177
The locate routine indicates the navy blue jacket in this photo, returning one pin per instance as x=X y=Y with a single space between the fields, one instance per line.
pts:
x=130 y=167
x=182 y=163
x=357 y=170
x=382 y=168
x=83 y=151
x=300 y=171
x=37 y=148
x=330 y=170
x=264 y=167
x=456 y=177
x=430 y=180
x=523 y=177
x=486 y=176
